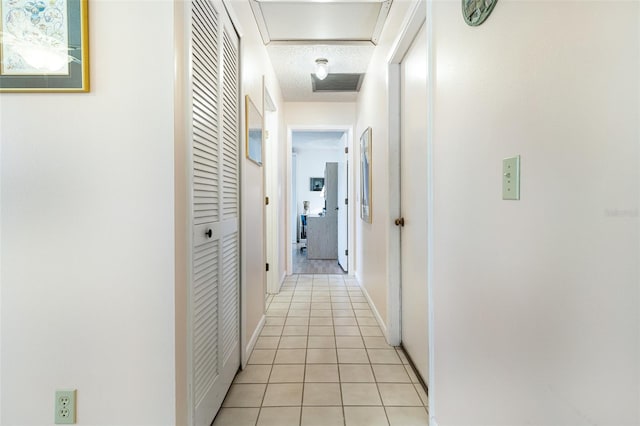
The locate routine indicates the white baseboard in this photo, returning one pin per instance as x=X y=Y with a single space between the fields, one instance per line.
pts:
x=253 y=340
x=376 y=314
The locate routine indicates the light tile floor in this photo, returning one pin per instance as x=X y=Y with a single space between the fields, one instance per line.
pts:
x=322 y=360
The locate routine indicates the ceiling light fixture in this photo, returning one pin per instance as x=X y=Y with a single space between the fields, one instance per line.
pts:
x=322 y=68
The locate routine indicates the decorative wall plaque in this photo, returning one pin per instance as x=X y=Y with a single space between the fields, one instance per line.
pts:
x=475 y=12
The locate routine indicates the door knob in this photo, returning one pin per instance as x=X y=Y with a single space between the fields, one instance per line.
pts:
x=209 y=233
x=400 y=221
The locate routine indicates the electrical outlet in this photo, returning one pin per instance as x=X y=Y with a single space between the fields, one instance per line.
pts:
x=65 y=407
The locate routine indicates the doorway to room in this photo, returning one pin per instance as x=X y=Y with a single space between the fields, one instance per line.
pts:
x=319 y=202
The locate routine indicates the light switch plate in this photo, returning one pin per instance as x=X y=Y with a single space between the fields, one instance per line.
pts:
x=511 y=178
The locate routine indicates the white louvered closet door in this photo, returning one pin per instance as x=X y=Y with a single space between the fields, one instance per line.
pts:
x=214 y=291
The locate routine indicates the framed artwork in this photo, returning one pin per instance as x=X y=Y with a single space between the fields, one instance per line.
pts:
x=365 y=176
x=254 y=132
x=44 y=46
x=316 y=184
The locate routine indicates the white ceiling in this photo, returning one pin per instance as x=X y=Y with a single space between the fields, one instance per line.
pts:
x=297 y=32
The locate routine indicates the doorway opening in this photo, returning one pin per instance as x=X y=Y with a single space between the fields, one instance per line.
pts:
x=319 y=208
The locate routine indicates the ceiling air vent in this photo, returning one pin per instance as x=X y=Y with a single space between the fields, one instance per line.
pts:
x=337 y=83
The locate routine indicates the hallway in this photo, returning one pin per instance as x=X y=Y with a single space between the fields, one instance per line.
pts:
x=322 y=360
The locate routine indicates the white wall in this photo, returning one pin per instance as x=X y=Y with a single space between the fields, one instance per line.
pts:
x=311 y=163
x=255 y=64
x=87 y=275
x=373 y=105
x=536 y=301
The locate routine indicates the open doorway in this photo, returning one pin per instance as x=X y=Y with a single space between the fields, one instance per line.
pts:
x=319 y=202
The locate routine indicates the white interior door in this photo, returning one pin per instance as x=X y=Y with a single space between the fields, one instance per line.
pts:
x=414 y=204
x=214 y=284
x=343 y=211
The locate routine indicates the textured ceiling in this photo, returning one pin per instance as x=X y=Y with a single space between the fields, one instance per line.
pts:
x=297 y=32
x=294 y=65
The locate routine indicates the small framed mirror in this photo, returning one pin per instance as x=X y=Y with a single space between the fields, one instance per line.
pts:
x=254 y=132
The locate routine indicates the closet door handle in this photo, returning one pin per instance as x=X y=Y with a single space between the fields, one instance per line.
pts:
x=209 y=233
x=400 y=221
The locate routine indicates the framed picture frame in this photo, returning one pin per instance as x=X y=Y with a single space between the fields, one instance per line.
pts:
x=254 y=133
x=316 y=183
x=44 y=46
x=365 y=175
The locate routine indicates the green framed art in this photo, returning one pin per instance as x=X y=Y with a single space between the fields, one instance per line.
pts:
x=44 y=46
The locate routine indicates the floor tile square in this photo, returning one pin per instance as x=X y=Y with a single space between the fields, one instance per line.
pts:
x=352 y=356
x=271 y=330
x=343 y=313
x=321 y=356
x=345 y=321
x=244 y=395
x=287 y=373
x=322 y=394
x=407 y=416
x=356 y=373
x=253 y=373
x=399 y=394
x=367 y=330
x=363 y=313
x=340 y=299
x=322 y=416
x=375 y=342
x=262 y=356
x=320 y=330
x=321 y=342
x=321 y=312
x=279 y=306
x=267 y=342
x=277 y=312
x=386 y=373
x=341 y=305
x=293 y=342
x=360 y=394
x=423 y=395
x=322 y=373
x=358 y=299
x=365 y=416
x=320 y=321
x=347 y=330
x=369 y=321
x=383 y=356
x=290 y=356
x=236 y=417
x=275 y=320
x=279 y=416
x=301 y=305
x=297 y=321
x=283 y=395
x=360 y=305
x=349 y=342
x=320 y=305
x=295 y=330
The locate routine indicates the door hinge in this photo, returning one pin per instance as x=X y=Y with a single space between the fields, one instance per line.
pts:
x=266 y=201
x=266 y=134
x=267 y=267
x=346 y=149
x=346 y=201
x=346 y=252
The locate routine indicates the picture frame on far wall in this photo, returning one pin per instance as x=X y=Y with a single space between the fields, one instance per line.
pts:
x=366 y=175
x=44 y=46
x=316 y=184
x=253 y=136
